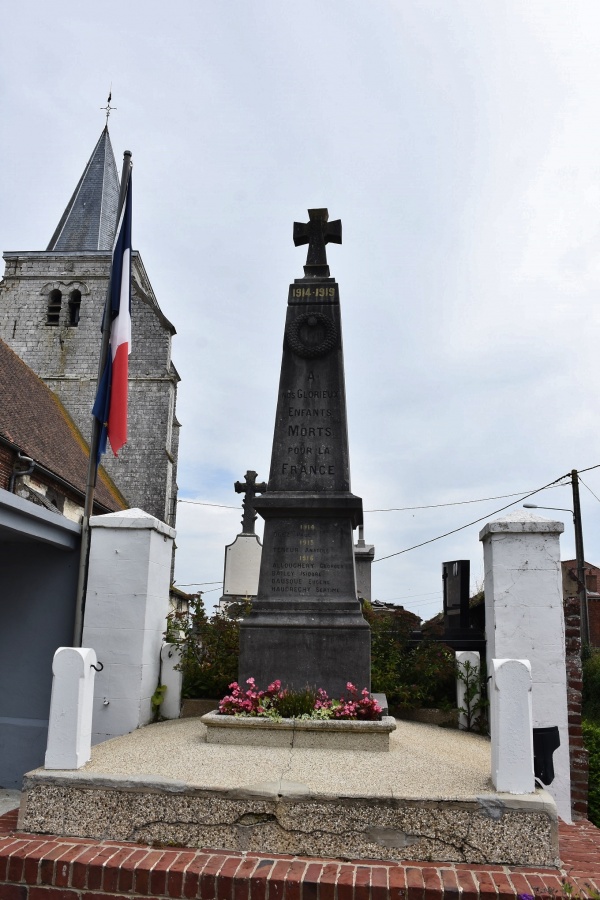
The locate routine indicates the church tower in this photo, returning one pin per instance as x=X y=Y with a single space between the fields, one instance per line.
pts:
x=51 y=305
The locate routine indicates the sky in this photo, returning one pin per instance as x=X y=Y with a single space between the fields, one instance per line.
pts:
x=458 y=141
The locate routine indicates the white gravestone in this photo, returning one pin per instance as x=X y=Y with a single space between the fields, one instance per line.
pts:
x=242 y=566
x=524 y=620
x=127 y=603
x=510 y=726
x=70 y=725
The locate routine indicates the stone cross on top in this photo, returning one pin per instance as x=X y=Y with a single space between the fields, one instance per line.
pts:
x=317 y=232
x=250 y=489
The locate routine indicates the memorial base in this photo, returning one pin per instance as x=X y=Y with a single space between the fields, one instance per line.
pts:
x=303 y=656
x=428 y=797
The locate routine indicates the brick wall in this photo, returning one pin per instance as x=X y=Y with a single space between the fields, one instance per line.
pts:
x=594 y=620
x=7 y=458
x=578 y=754
x=66 y=357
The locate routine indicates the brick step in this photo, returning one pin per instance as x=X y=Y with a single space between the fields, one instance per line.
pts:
x=50 y=868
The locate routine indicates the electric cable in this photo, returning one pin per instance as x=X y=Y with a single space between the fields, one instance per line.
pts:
x=474 y=522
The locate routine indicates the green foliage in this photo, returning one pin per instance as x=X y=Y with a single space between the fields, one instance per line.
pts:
x=293 y=704
x=156 y=700
x=591 y=685
x=410 y=677
x=475 y=697
x=209 y=650
x=591 y=740
x=423 y=675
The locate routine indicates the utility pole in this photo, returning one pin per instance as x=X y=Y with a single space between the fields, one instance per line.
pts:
x=583 y=601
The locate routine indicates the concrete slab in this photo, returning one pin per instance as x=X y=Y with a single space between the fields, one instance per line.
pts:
x=431 y=793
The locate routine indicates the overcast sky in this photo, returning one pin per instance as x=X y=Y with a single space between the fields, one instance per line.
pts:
x=459 y=142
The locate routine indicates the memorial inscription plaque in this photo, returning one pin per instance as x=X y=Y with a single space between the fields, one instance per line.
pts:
x=306 y=625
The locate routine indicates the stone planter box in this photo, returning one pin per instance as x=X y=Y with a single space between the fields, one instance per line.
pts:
x=317 y=734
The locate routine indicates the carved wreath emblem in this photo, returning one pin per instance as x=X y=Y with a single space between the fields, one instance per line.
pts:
x=311 y=334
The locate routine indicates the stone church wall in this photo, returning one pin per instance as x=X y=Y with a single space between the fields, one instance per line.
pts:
x=65 y=356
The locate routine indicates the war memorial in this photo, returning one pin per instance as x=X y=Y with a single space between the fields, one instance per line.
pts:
x=385 y=792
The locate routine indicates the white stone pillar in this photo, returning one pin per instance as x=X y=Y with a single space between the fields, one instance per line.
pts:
x=469 y=664
x=510 y=726
x=172 y=678
x=70 y=725
x=127 y=604
x=524 y=620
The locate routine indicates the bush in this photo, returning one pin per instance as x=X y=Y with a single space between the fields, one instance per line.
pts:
x=294 y=704
x=410 y=677
x=210 y=650
x=591 y=740
x=591 y=685
x=423 y=675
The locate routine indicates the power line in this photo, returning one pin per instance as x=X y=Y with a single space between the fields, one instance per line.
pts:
x=197 y=583
x=411 y=596
x=474 y=522
x=589 y=488
x=204 y=503
x=454 y=503
x=388 y=509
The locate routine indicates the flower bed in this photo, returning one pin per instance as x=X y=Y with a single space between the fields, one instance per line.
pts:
x=275 y=703
x=301 y=719
x=300 y=733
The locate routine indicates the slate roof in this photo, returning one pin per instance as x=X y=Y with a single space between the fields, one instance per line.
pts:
x=89 y=221
x=33 y=418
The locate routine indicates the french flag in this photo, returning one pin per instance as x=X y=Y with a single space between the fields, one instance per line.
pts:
x=110 y=407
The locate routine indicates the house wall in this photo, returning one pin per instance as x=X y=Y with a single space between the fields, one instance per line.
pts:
x=37 y=604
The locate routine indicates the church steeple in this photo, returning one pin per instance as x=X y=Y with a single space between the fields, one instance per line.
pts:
x=89 y=221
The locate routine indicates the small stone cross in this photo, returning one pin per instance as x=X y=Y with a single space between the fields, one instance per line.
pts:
x=250 y=489
x=317 y=232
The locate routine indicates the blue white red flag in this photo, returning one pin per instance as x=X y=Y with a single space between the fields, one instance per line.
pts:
x=110 y=407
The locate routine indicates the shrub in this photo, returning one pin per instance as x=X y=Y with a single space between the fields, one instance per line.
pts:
x=591 y=740
x=293 y=704
x=410 y=676
x=210 y=650
x=591 y=685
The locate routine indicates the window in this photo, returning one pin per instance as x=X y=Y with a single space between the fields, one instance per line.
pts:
x=54 y=304
x=74 y=308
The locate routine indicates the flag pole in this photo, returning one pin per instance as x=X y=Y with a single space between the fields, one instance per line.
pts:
x=92 y=472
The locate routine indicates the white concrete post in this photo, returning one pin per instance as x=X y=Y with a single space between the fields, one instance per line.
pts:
x=70 y=725
x=524 y=619
x=127 y=604
x=510 y=726
x=171 y=678
x=471 y=672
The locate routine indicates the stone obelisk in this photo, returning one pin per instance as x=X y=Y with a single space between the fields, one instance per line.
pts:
x=306 y=626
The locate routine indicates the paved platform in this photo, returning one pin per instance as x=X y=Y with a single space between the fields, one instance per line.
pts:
x=429 y=798
x=58 y=868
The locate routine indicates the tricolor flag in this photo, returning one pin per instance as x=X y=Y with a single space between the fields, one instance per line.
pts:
x=110 y=407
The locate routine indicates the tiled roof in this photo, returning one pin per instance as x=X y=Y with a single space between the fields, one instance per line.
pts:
x=33 y=418
x=89 y=221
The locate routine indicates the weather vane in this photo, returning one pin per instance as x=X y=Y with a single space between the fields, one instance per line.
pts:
x=108 y=108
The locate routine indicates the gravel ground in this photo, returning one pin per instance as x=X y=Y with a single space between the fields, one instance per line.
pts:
x=423 y=761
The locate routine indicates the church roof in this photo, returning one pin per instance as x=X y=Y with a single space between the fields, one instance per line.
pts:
x=89 y=221
x=33 y=419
